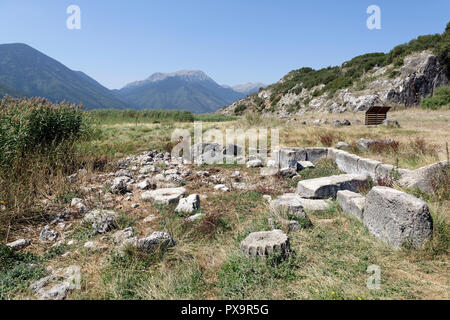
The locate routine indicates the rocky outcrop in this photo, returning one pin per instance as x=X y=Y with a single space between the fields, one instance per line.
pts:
x=419 y=76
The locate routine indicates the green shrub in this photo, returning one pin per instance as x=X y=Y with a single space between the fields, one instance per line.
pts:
x=138 y=116
x=440 y=98
x=240 y=109
x=28 y=125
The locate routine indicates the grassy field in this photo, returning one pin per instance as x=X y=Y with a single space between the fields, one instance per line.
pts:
x=329 y=259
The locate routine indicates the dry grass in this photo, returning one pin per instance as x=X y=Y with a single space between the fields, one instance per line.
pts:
x=330 y=259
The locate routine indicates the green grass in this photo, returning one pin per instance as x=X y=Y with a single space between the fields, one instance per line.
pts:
x=114 y=116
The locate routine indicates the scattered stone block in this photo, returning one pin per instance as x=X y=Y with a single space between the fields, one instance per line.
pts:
x=257 y=163
x=426 y=178
x=327 y=187
x=397 y=218
x=351 y=203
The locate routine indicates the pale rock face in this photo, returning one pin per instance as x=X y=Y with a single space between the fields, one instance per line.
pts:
x=397 y=218
x=420 y=75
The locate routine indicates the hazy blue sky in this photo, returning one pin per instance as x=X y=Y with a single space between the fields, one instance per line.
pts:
x=233 y=41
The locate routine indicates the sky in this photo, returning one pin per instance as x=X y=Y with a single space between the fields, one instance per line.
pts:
x=233 y=41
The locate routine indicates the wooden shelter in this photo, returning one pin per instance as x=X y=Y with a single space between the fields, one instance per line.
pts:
x=376 y=115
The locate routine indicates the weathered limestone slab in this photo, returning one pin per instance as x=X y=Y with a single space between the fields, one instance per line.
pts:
x=164 y=196
x=332 y=153
x=425 y=179
x=289 y=205
x=397 y=218
x=327 y=187
x=315 y=154
x=264 y=243
x=347 y=162
x=287 y=154
x=307 y=204
x=305 y=165
x=368 y=167
x=351 y=203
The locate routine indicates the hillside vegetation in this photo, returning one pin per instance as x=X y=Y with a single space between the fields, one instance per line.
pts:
x=304 y=85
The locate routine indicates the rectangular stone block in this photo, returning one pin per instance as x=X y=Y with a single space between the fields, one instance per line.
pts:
x=327 y=187
x=351 y=203
x=315 y=154
x=347 y=162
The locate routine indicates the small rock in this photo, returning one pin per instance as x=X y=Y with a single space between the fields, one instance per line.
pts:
x=101 y=220
x=121 y=185
x=195 y=217
x=157 y=240
x=391 y=123
x=146 y=184
x=221 y=187
x=164 y=196
x=48 y=235
x=19 y=244
x=189 y=204
x=257 y=163
x=342 y=145
x=122 y=235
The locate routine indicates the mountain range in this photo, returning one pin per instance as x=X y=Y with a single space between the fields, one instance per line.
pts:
x=26 y=72
x=182 y=90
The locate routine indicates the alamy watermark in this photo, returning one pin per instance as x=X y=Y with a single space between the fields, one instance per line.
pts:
x=374 y=21
x=374 y=281
x=73 y=22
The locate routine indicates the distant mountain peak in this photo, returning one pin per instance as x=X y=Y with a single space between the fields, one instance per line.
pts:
x=185 y=75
